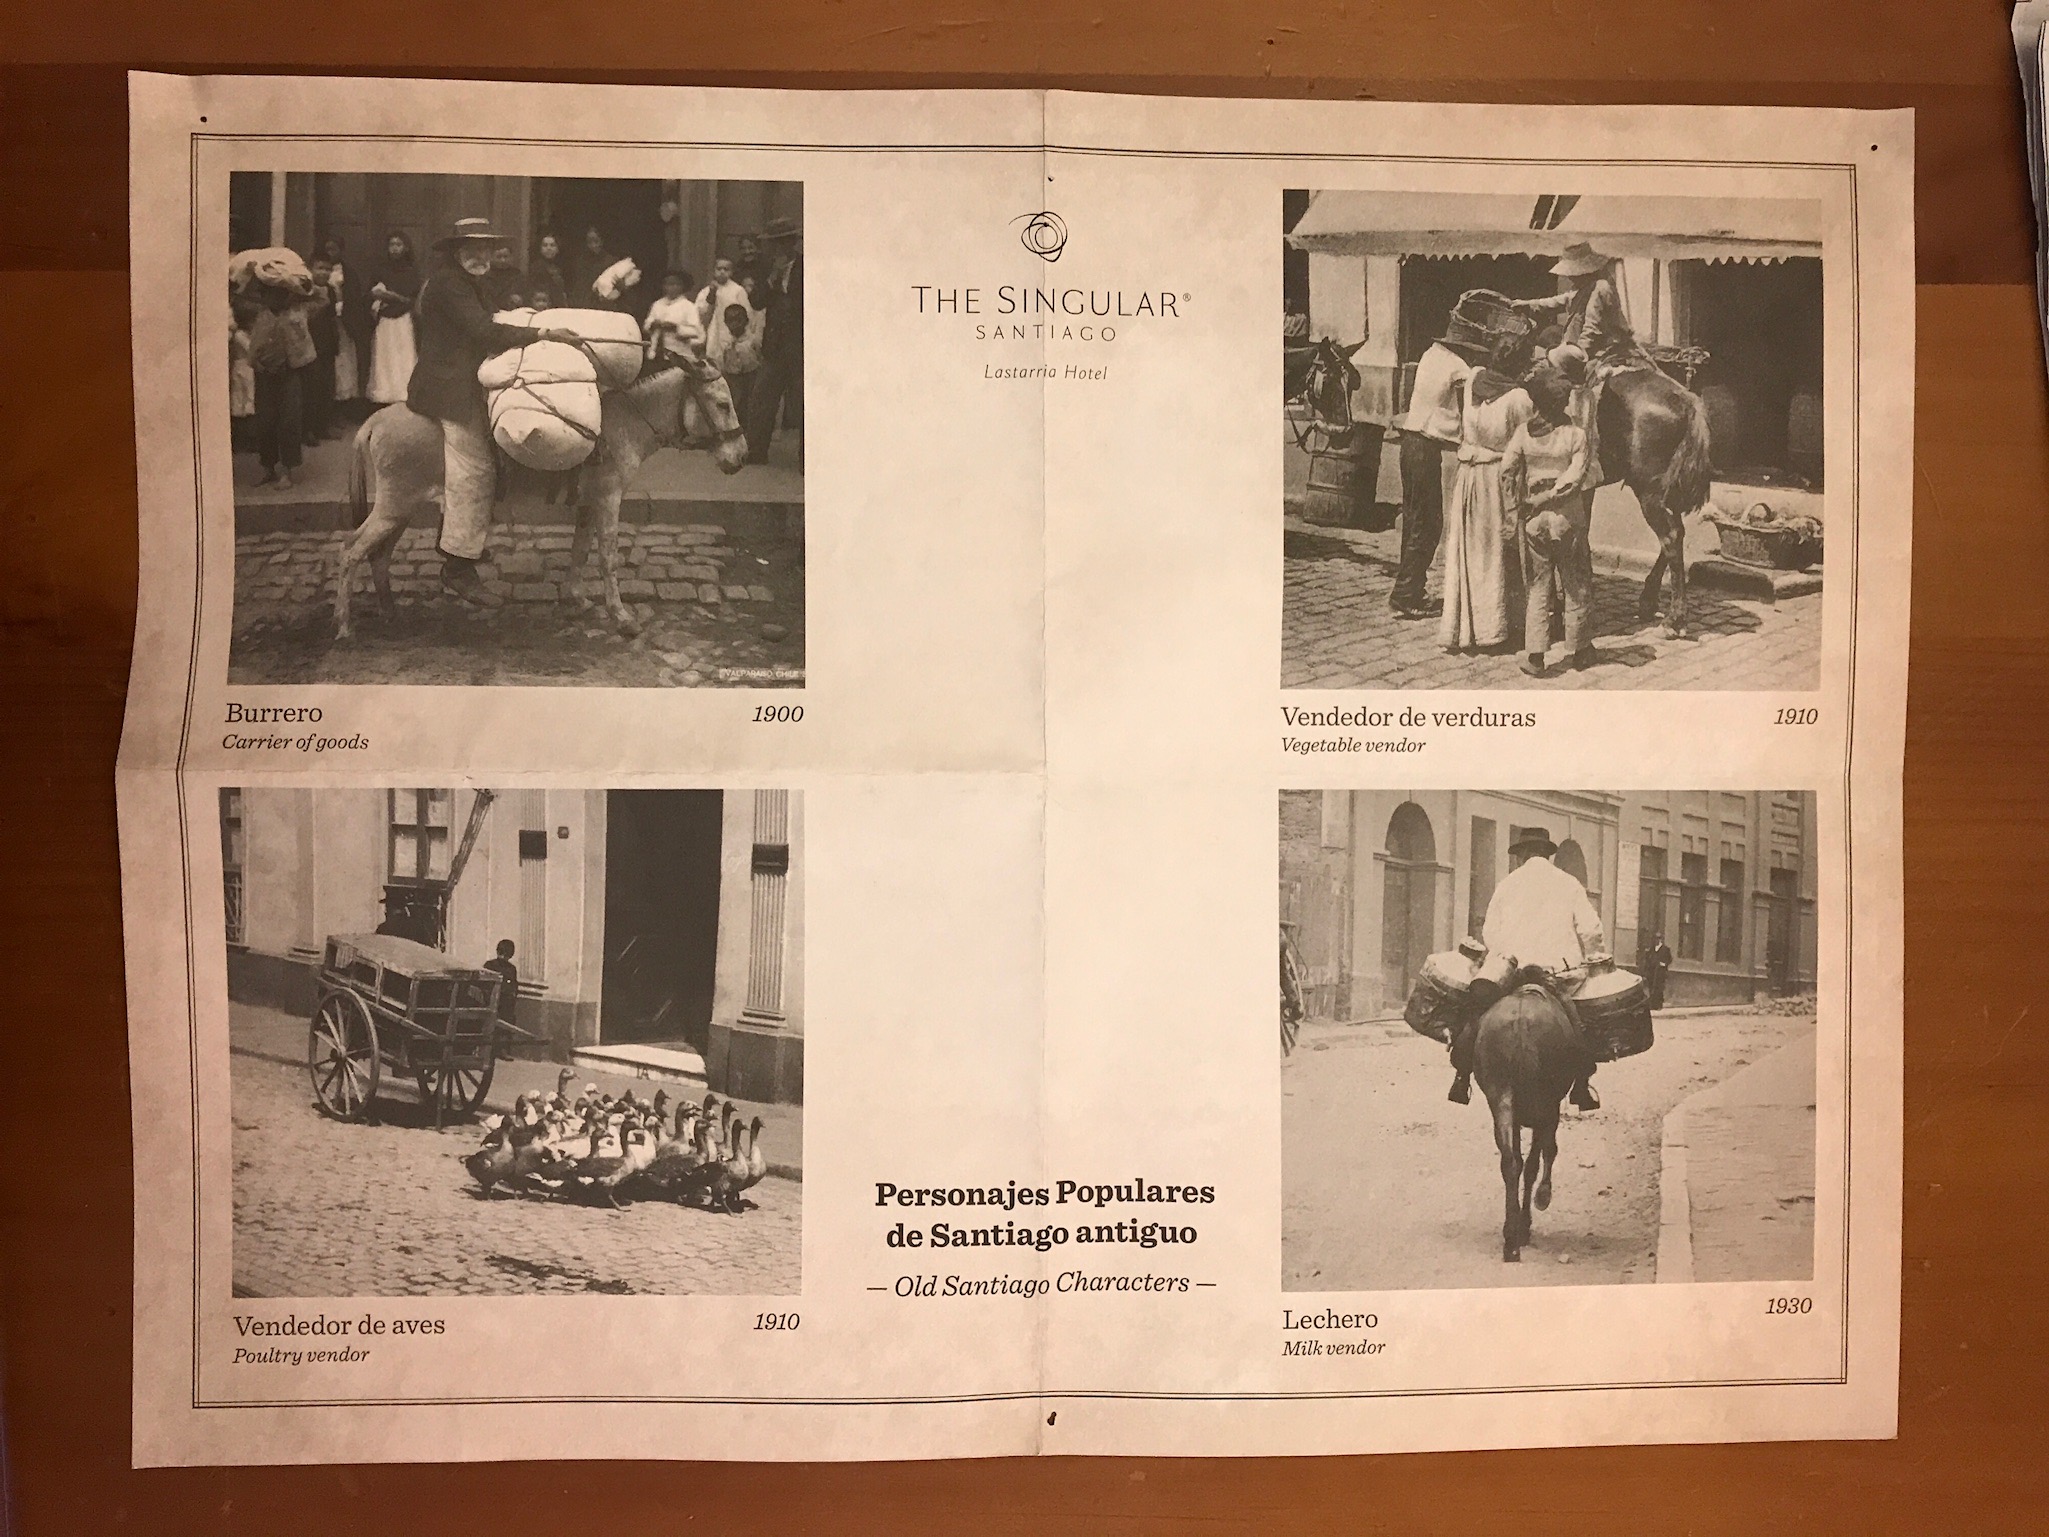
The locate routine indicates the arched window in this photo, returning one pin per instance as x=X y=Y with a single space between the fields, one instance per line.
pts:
x=1409 y=834
x=1572 y=860
x=1408 y=900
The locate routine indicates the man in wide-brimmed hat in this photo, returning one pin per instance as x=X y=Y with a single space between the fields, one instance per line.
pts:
x=1429 y=448
x=781 y=300
x=1541 y=916
x=1596 y=329
x=455 y=333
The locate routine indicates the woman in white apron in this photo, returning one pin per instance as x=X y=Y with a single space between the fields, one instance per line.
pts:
x=392 y=349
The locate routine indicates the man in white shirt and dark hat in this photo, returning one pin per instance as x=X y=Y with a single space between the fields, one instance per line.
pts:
x=1541 y=916
x=1429 y=448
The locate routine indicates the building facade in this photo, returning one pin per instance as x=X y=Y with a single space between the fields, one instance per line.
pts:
x=660 y=224
x=1754 y=305
x=660 y=918
x=1373 y=881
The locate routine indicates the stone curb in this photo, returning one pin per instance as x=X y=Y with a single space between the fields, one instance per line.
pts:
x=1675 y=1203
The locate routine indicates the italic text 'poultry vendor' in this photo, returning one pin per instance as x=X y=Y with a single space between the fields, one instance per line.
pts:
x=455 y=333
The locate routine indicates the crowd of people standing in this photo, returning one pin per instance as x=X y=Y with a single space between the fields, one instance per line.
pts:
x=306 y=367
x=1498 y=463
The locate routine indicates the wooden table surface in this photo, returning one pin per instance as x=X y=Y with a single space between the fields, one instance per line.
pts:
x=1974 y=1389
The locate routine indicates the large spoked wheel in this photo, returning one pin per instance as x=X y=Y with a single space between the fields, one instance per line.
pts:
x=341 y=1055
x=457 y=1088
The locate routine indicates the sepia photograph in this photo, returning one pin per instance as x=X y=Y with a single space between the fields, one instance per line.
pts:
x=516 y=1041
x=1551 y=440
x=1547 y=1037
x=516 y=430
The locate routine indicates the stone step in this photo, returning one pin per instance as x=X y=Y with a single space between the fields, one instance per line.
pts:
x=660 y=1064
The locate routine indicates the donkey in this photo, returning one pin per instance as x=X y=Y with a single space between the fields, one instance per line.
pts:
x=1329 y=380
x=395 y=472
x=1526 y=1055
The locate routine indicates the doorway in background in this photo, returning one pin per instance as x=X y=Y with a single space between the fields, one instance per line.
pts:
x=661 y=916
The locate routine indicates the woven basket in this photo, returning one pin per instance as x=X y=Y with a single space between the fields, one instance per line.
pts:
x=1777 y=549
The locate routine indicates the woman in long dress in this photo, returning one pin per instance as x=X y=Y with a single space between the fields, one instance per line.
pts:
x=392 y=350
x=1483 y=594
x=348 y=376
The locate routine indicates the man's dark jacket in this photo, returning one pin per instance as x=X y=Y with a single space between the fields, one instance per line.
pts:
x=454 y=332
x=782 y=336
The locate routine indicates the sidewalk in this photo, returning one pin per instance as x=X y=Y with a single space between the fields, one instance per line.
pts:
x=1737 y=1180
x=271 y=1035
x=674 y=486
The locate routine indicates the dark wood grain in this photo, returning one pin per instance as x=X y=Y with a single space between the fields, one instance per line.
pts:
x=63 y=104
x=1976 y=1360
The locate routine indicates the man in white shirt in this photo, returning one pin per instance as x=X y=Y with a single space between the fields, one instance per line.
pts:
x=724 y=289
x=1541 y=916
x=1430 y=439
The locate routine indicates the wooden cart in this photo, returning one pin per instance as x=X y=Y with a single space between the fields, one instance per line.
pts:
x=393 y=1004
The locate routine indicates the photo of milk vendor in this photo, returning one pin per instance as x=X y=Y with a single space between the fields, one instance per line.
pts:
x=499 y=430
x=1547 y=1037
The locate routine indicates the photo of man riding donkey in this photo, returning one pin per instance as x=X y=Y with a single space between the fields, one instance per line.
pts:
x=1541 y=929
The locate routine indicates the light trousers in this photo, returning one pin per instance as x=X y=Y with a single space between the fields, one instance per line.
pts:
x=1567 y=567
x=469 y=475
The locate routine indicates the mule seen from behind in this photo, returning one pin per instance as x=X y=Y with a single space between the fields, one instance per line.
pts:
x=1526 y=1056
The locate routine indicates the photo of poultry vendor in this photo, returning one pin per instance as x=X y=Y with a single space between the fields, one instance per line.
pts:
x=455 y=332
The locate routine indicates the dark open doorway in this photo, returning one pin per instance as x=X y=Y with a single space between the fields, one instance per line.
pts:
x=627 y=213
x=1761 y=325
x=661 y=916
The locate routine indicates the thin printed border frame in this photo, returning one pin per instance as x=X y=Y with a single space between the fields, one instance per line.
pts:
x=1839 y=1379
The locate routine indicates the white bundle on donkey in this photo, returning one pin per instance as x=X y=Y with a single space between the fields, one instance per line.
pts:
x=544 y=401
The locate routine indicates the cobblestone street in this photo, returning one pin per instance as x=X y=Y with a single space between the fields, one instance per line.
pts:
x=324 y=1209
x=1338 y=632
x=713 y=613
x=1387 y=1185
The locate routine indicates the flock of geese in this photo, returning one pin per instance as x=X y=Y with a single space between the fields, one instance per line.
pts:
x=597 y=1149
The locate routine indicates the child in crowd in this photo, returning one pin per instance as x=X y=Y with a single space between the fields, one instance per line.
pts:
x=281 y=348
x=505 y=287
x=348 y=368
x=742 y=359
x=672 y=326
x=1543 y=474
x=241 y=377
x=325 y=330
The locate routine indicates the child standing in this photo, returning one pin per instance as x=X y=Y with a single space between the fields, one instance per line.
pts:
x=325 y=329
x=1543 y=475
x=241 y=377
x=742 y=358
x=673 y=329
